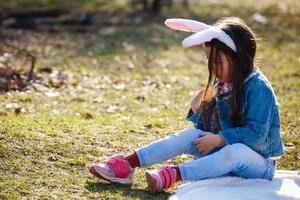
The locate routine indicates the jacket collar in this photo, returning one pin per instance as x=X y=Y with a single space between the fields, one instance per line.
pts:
x=253 y=73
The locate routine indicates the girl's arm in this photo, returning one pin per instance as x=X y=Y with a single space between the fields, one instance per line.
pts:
x=196 y=100
x=259 y=112
x=193 y=115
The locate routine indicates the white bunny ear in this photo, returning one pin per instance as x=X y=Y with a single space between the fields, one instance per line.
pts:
x=186 y=25
x=199 y=38
x=204 y=32
x=206 y=36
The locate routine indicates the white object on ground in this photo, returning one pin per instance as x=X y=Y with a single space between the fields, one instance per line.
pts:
x=284 y=186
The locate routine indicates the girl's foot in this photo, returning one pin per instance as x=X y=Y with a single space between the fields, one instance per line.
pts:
x=116 y=170
x=161 y=179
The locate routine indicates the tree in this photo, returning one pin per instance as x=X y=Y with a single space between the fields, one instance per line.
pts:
x=156 y=5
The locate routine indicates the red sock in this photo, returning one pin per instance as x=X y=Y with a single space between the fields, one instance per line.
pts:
x=133 y=160
x=178 y=175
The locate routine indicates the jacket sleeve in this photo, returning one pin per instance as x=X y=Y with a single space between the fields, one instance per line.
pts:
x=258 y=117
x=193 y=117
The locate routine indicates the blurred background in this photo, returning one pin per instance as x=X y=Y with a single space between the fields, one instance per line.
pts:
x=83 y=80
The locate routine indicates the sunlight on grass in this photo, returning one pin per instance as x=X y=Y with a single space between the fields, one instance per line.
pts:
x=134 y=86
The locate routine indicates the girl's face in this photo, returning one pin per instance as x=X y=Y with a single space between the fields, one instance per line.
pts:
x=223 y=74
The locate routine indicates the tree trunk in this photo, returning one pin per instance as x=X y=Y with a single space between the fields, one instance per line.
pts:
x=145 y=5
x=156 y=6
x=185 y=3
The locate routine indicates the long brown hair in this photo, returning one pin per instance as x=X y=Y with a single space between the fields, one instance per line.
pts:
x=241 y=61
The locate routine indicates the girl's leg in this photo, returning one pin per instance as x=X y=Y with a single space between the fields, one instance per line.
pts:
x=237 y=159
x=120 y=169
x=179 y=143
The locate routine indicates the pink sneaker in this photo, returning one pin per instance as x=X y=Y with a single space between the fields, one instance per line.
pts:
x=116 y=170
x=161 y=179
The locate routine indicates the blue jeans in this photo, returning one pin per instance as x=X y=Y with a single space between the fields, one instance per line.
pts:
x=231 y=160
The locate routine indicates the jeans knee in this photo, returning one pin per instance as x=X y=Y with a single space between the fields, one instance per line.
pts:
x=185 y=138
x=237 y=151
x=188 y=132
x=182 y=136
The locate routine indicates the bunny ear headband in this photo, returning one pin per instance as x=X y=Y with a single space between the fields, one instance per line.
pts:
x=202 y=32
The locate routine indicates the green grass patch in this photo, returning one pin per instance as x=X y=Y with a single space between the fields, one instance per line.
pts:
x=135 y=83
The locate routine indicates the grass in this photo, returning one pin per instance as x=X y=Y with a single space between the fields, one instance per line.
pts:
x=134 y=85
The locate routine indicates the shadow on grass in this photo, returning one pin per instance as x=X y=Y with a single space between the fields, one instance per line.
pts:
x=99 y=186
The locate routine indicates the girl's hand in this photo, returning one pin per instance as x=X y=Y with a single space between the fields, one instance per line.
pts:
x=197 y=99
x=208 y=142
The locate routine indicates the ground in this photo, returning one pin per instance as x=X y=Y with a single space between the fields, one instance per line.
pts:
x=124 y=86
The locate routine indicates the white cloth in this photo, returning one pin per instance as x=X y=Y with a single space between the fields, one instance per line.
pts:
x=284 y=186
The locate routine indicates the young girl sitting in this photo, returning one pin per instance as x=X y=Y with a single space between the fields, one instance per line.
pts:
x=236 y=117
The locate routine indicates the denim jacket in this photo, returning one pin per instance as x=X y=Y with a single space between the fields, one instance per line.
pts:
x=261 y=127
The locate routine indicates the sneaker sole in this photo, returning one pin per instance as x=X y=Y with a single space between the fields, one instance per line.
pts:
x=152 y=183
x=93 y=171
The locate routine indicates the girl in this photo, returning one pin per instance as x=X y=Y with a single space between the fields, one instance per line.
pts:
x=236 y=117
